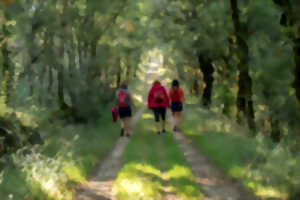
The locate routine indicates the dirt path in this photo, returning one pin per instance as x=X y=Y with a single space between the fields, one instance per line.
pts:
x=99 y=187
x=214 y=184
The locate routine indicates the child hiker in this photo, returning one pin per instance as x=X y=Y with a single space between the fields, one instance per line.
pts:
x=177 y=101
x=158 y=101
x=124 y=103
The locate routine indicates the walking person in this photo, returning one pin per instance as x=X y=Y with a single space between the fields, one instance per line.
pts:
x=158 y=101
x=177 y=103
x=124 y=103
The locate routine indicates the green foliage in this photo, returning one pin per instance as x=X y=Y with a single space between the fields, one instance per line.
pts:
x=67 y=156
x=72 y=55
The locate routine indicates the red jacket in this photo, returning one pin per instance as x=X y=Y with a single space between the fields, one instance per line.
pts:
x=151 y=100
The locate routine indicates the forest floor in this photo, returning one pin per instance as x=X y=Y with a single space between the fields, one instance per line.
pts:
x=152 y=167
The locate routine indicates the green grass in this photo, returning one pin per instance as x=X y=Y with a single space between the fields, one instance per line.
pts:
x=73 y=150
x=154 y=165
x=254 y=161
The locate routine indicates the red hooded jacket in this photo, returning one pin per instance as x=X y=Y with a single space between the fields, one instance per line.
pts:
x=152 y=103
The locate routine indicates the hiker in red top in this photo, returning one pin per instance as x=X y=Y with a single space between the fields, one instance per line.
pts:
x=158 y=101
x=177 y=101
x=124 y=103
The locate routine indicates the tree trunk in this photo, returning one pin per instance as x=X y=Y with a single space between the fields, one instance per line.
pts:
x=5 y=74
x=72 y=68
x=207 y=70
x=244 y=96
x=297 y=66
x=7 y=71
x=92 y=68
x=127 y=72
x=60 y=68
x=291 y=18
x=119 y=73
x=296 y=19
x=195 y=87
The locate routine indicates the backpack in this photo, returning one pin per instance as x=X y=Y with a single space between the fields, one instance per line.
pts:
x=123 y=99
x=175 y=95
x=159 y=96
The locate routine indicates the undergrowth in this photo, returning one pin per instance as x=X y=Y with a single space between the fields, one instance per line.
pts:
x=51 y=170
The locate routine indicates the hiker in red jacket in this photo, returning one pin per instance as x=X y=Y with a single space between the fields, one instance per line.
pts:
x=124 y=103
x=158 y=101
x=177 y=103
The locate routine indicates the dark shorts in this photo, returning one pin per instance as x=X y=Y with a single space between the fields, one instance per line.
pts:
x=124 y=112
x=176 y=106
x=159 y=111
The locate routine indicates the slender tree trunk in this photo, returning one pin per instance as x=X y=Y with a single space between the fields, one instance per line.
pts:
x=60 y=68
x=5 y=74
x=92 y=69
x=297 y=67
x=7 y=71
x=296 y=19
x=119 y=73
x=50 y=79
x=244 y=96
x=72 y=68
x=127 y=72
x=207 y=70
x=195 y=87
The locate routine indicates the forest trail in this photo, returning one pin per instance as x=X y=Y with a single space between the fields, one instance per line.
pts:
x=99 y=187
x=206 y=181
x=215 y=184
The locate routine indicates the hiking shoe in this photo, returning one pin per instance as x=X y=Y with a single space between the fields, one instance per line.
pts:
x=175 y=128
x=128 y=135
x=164 y=131
x=158 y=133
x=122 y=132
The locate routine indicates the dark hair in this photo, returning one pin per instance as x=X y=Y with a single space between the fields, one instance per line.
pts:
x=175 y=83
x=156 y=82
x=124 y=86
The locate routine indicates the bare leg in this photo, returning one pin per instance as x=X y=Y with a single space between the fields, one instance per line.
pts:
x=163 y=123
x=178 y=119
x=157 y=124
x=175 y=120
x=122 y=123
x=127 y=126
x=122 y=126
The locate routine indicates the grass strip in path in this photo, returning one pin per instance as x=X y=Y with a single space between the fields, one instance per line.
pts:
x=154 y=168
